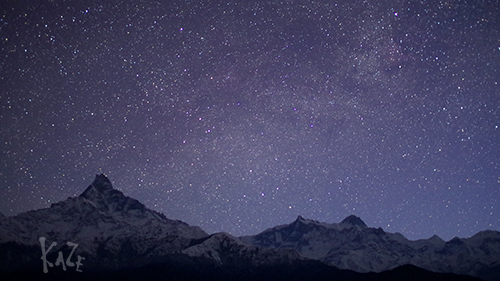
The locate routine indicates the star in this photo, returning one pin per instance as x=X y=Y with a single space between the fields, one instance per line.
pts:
x=241 y=116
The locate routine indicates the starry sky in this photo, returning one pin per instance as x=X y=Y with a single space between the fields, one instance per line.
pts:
x=237 y=116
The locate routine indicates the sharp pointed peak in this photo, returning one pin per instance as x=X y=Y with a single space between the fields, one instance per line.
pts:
x=303 y=220
x=102 y=193
x=354 y=220
x=100 y=184
x=435 y=237
x=300 y=218
x=101 y=181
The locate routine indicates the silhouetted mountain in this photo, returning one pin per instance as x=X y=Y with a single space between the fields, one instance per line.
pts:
x=353 y=220
x=111 y=230
x=352 y=245
x=117 y=238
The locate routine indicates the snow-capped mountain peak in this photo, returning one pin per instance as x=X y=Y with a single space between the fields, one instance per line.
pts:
x=103 y=222
x=351 y=244
x=102 y=194
x=355 y=221
x=302 y=220
x=100 y=184
x=115 y=232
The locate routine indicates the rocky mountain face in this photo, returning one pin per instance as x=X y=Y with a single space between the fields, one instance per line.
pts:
x=113 y=229
x=104 y=235
x=351 y=244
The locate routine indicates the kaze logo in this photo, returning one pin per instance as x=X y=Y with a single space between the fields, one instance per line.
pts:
x=60 y=257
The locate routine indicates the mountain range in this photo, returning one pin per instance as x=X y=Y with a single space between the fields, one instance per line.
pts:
x=351 y=244
x=104 y=235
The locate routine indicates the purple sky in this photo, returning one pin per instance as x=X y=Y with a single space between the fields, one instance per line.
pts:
x=237 y=116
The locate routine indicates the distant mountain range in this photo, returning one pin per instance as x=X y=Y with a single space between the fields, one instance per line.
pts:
x=105 y=235
x=352 y=245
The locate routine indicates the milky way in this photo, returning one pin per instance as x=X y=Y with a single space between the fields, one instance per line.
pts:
x=241 y=115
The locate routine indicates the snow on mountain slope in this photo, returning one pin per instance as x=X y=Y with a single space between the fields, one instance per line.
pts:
x=104 y=223
x=316 y=240
x=115 y=233
x=224 y=248
x=352 y=245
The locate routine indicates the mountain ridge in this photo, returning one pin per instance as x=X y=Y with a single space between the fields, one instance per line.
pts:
x=102 y=221
x=352 y=245
x=354 y=220
x=116 y=234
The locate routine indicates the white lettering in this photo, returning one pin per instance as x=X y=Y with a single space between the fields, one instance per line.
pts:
x=60 y=256
x=44 y=254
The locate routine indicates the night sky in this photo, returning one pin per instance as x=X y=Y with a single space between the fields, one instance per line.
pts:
x=237 y=116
